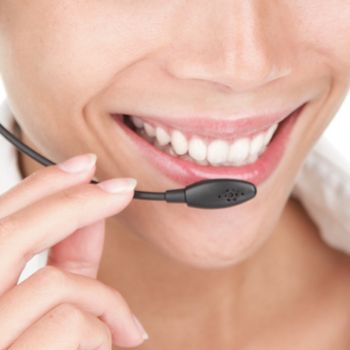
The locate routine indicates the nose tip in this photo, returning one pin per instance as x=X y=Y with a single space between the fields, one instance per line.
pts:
x=246 y=79
x=242 y=50
x=229 y=72
x=250 y=79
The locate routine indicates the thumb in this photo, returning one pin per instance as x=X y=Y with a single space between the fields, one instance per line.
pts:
x=81 y=251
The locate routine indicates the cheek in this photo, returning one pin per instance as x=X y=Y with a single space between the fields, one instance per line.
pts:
x=60 y=56
x=70 y=51
x=324 y=28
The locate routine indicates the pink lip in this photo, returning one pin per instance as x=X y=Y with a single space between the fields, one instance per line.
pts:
x=218 y=128
x=186 y=172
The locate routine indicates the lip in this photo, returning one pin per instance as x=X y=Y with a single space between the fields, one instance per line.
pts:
x=223 y=128
x=186 y=172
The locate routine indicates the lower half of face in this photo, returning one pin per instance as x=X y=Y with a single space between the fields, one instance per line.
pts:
x=71 y=80
x=211 y=238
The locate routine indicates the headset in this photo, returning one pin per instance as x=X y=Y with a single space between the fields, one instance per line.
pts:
x=207 y=194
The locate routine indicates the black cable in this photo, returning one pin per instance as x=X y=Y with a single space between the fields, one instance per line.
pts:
x=46 y=162
x=211 y=194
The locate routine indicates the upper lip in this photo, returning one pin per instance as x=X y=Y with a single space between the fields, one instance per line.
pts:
x=219 y=127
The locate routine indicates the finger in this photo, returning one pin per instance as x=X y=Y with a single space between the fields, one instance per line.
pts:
x=52 y=219
x=44 y=182
x=81 y=252
x=65 y=328
x=71 y=254
x=50 y=287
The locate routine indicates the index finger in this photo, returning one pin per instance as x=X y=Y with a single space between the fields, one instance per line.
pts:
x=46 y=181
x=54 y=218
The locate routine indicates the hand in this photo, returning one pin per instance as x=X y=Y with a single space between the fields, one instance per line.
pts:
x=62 y=306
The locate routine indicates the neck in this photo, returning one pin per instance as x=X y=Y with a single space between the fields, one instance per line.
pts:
x=290 y=264
x=167 y=295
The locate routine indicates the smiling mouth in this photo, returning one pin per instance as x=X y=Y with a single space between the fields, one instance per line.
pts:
x=201 y=149
x=189 y=152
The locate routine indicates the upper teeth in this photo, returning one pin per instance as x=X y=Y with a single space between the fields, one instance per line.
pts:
x=162 y=136
x=216 y=152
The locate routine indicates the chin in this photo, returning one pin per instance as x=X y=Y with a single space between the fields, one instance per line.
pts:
x=218 y=248
x=217 y=257
x=200 y=238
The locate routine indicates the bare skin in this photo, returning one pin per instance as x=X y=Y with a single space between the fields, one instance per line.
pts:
x=295 y=277
x=256 y=276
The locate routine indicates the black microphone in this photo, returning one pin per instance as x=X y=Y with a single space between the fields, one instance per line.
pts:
x=209 y=194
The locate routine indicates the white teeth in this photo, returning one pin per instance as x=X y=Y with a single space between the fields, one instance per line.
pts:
x=179 y=142
x=252 y=158
x=150 y=130
x=163 y=137
x=217 y=152
x=269 y=133
x=137 y=122
x=239 y=151
x=256 y=144
x=197 y=149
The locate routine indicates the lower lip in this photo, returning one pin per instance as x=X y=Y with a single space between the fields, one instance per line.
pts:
x=187 y=172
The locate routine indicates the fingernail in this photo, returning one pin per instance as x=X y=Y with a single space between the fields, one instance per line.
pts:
x=140 y=328
x=79 y=163
x=118 y=185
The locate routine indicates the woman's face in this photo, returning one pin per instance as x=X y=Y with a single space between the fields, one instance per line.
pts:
x=69 y=65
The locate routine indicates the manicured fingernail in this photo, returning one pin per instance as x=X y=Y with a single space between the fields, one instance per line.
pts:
x=140 y=328
x=118 y=185
x=79 y=163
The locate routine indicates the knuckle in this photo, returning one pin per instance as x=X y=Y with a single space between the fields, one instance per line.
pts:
x=68 y=315
x=115 y=298
x=7 y=226
x=77 y=194
x=120 y=301
x=118 y=297
x=106 y=335
x=68 y=195
x=50 y=277
x=110 y=293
